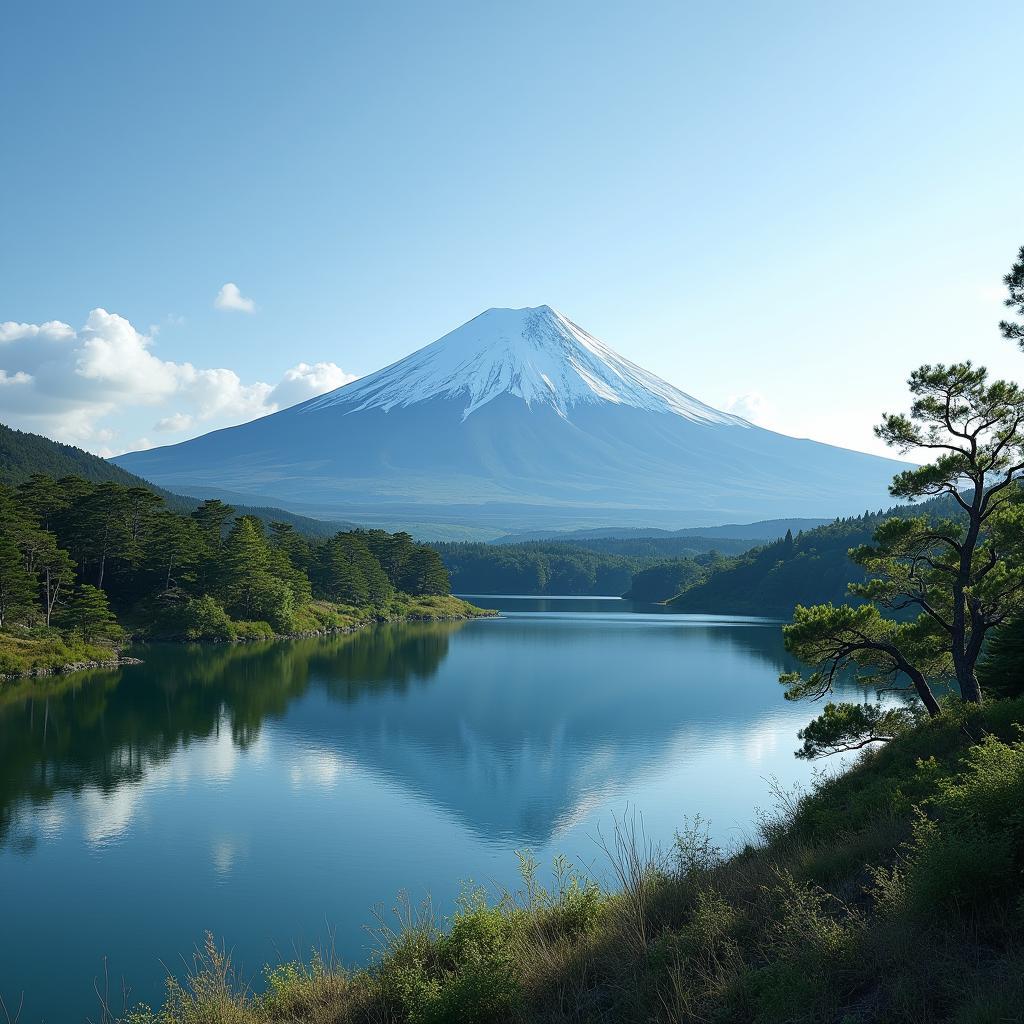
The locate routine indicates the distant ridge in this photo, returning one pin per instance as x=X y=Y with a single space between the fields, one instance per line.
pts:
x=765 y=530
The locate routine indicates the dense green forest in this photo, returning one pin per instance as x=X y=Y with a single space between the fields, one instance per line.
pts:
x=82 y=564
x=22 y=454
x=600 y=567
x=813 y=567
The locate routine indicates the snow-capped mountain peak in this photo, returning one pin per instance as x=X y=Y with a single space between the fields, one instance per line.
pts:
x=535 y=354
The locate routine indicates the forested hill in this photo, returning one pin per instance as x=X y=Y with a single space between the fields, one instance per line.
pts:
x=810 y=568
x=553 y=568
x=24 y=454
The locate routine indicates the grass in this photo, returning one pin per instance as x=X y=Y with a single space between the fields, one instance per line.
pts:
x=42 y=651
x=891 y=893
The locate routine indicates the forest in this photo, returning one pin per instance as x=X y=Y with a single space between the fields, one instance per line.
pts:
x=604 y=567
x=84 y=565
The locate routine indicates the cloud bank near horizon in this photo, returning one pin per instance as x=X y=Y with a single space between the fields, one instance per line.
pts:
x=70 y=384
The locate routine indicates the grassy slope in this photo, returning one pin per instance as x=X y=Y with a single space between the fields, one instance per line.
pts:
x=892 y=893
x=43 y=653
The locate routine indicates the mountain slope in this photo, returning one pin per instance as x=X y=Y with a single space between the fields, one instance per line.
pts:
x=521 y=419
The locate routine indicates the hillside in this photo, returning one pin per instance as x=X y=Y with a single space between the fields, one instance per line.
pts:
x=809 y=568
x=23 y=453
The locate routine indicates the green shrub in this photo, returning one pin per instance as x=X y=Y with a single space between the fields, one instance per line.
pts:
x=253 y=630
x=196 y=619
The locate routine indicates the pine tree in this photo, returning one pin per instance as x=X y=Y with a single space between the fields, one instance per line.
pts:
x=56 y=572
x=1014 y=282
x=173 y=548
x=44 y=498
x=244 y=565
x=424 y=573
x=89 y=614
x=17 y=584
x=1001 y=671
x=212 y=516
x=343 y=576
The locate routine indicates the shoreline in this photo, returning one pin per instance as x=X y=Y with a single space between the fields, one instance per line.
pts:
x=70 y=668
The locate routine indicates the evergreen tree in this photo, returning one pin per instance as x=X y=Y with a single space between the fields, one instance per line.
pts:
x=423 y=572
x=102 y=529
x=17 y=584
x=56 y=573
x=44 y=498
x=212 y=516
x=1001 y=670
x=962 y=576
x=244 y=565
x=343 y=576
x=88 y=614
x=173 y=548
x=1014 y=282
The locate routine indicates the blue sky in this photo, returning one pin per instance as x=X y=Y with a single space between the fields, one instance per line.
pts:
x=781 y=208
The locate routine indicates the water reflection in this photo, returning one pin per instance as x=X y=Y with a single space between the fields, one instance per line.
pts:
x=264 y=791
x=104 y=731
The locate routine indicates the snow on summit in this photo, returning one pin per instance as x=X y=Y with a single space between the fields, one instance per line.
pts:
x=535 y=354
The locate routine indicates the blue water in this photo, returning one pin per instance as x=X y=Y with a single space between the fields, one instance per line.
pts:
x=274 y=794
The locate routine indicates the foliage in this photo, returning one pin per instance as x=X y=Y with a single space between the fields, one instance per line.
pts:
x=1014 y=282
x=845 y=727
x=194 y=618
x=605 y=567
x=665 y=580
x=769 y=580
x=1002 y=668
x=962 y=576
x=76 y=555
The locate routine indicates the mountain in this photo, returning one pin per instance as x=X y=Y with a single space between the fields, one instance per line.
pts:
x=22 y=454
x=520 y=419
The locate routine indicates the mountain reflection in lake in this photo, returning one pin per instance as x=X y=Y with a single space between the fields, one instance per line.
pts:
x=268 y=792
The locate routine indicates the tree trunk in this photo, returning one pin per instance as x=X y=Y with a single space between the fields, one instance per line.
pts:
x=970 y=688
x=924 y=691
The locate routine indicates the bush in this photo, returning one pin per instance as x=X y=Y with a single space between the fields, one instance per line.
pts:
x=197 y=619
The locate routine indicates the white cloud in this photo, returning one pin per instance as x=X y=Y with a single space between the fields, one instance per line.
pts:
x=230 y=298
x=68 y=384
x=12 y=379
x=171 y=424
x=751 y=406
x=304 y=381
x=52 y=330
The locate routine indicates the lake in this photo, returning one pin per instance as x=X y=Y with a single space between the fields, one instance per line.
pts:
x=273 y=794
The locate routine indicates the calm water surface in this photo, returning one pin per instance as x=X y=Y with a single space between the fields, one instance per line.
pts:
x=270 y=793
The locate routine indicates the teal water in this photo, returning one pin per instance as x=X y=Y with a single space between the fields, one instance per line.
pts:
x=274 y=794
